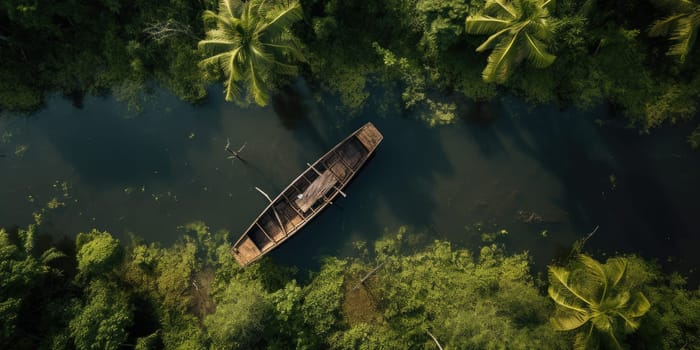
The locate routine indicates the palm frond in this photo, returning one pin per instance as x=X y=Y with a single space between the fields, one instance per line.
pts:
x=615 y=269
x=565 y=299
x=566 y=321
x=287 y=44
x=230 y=7
x=537 y=53
x=490 y=42
x=216 y=60
x=479 y=24
x=281 y=17
x=639 y=305
x=500 y=6
x=586 y=340
x=615 y=342
x=602 y=322
x=547 y=3
x=233 y=91
x=215 y=44
x=498 y=66
x=51 y=255
x=590 y=280
x=559 y=278
x=258 y=89
x=664 y=26
x=684 y=36
x=221 y=20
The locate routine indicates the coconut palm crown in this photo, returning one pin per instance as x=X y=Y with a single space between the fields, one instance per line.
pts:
x=252 y=44
x=682 y=27
x=597 y=298
x=518 y=30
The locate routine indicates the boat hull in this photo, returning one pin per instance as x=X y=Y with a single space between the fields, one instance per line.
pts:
x=307 y=195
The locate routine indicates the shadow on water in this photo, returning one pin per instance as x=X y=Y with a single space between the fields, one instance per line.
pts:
x=107 y=148
x=290 y=106
x=614 y=178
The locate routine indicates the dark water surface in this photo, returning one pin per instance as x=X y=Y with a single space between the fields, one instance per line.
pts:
x=547 y=176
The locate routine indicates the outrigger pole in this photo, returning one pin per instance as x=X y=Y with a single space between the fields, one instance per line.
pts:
x=279 y=221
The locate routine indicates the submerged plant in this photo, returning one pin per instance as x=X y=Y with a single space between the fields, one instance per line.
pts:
x=597 y=298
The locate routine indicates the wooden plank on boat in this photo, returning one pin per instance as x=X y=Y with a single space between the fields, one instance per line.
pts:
x=246 y=251
x=369 y=136
x=316 y=190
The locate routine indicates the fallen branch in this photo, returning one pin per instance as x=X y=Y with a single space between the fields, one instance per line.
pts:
x=578 y=245
x=362 y=281
x=434 y=339
x=235 y=154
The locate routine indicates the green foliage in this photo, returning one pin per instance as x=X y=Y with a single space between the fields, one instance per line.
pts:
x=98 y=253
x=441 y=24
x=603 y=298
x=78 y=48
x=251 y=44
x=489 y=300
x=241 y=314
x=466 y=302
x=519 y=29
x=681 y=26
x=672 y=322
x=174 y=270
x=322 y=297
x=20 y=273
x=150 y=342
x=102 y=323
x=694 y=138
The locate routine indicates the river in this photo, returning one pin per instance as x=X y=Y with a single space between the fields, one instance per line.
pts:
x=547 y=176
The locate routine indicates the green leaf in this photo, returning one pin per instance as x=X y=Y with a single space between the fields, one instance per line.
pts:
x=568 y=320
x=537 y=54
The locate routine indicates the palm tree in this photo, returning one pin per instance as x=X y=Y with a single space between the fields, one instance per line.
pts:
x=597 y=295
x=681 y=26
x=251 y=44
x=519 y=30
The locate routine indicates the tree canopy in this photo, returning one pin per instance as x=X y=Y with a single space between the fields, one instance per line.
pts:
x=602 y=298
x=518 y=30
x=193 y=295
x=251 y=43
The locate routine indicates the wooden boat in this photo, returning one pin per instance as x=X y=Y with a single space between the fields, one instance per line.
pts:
x=307 y=195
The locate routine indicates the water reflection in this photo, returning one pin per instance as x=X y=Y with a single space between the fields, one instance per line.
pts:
x=548 y=176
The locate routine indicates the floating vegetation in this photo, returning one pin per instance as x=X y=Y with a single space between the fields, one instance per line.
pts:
x=191 y=136
x=613 y=181
x=6 y=137
x=529 y=217
x=20 y=150
x=63 y=186
x=490 y=237
x=128 y=190
x=38 y=217
x=30 y=198
x=55 y=203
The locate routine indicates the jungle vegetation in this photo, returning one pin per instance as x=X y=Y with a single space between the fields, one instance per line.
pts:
x=638 y=57
x=96 y=292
